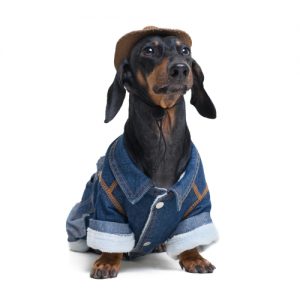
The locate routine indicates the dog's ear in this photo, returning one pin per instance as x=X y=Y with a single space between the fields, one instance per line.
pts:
x=116 y=92
x=199 y=98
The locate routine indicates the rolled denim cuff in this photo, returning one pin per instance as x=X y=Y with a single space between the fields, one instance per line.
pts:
x=193 y=223
x=110 y=236
x=189 y=235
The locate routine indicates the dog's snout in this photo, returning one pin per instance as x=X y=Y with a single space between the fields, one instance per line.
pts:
x=178 y=71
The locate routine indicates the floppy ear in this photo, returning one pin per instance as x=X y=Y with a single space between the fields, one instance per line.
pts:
x=116 y=93
x=199 y=98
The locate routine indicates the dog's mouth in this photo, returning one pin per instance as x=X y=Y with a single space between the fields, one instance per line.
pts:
x=171 y=89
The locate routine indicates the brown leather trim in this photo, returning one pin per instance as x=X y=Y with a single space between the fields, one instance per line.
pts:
x=199 y=195
x=109 y=193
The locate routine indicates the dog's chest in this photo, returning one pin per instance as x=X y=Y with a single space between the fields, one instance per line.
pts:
x=164 y=162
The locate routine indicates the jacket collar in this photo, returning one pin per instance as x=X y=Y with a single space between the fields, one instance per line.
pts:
x=135 y=184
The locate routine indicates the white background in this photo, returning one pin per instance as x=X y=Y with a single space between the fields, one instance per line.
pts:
x=56 y=64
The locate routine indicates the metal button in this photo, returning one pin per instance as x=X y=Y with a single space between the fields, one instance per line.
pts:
x=159 y=205
x=147 y=244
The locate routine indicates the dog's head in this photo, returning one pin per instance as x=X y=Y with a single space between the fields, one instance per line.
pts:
x=159 y=69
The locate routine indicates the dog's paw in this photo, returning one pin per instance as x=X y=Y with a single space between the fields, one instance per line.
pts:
x=191 y=261
x=104 y=271
x=198 y=265
x=107 y=266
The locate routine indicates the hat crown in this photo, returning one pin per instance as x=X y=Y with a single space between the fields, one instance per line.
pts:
x=150 y=27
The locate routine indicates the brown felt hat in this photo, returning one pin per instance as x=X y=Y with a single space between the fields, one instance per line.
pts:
x=127 y=42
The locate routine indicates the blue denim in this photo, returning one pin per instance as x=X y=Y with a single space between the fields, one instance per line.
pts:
x=122 y=211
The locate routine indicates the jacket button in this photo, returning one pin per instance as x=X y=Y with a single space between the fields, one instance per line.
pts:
x=147 y=244
x=159 y=205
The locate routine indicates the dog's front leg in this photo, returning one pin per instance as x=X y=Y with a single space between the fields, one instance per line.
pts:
x=107 y=265
x=191 y=261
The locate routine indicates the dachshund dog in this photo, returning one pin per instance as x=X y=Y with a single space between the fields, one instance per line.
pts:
x=158 y=71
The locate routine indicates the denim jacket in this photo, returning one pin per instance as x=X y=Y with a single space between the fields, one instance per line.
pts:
x=122 y=211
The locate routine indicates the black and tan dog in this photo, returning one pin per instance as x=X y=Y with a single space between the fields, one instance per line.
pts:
x=155 y=66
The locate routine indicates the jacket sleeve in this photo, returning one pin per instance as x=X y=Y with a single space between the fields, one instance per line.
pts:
x=108 y=229
x=99 y=221
x=194 y=230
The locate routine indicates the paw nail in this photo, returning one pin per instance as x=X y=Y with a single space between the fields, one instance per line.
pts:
x=98 y=274
x=113 y=274
x=199 y=269
x=104 y=274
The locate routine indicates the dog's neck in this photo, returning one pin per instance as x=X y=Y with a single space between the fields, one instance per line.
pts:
x=158 y=140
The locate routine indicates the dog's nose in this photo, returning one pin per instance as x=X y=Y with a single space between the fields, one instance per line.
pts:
x=179 y=71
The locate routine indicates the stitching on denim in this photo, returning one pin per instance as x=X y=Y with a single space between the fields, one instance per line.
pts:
x=191 y=183
x=109 y=193
x=113 y=186
x=194 y=177
x=200 y=197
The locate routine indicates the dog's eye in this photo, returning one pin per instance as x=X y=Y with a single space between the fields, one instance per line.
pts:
x=185 y=51
x=148 y=51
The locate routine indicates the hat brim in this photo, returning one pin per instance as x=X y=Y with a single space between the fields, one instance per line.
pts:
x=127 y=42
